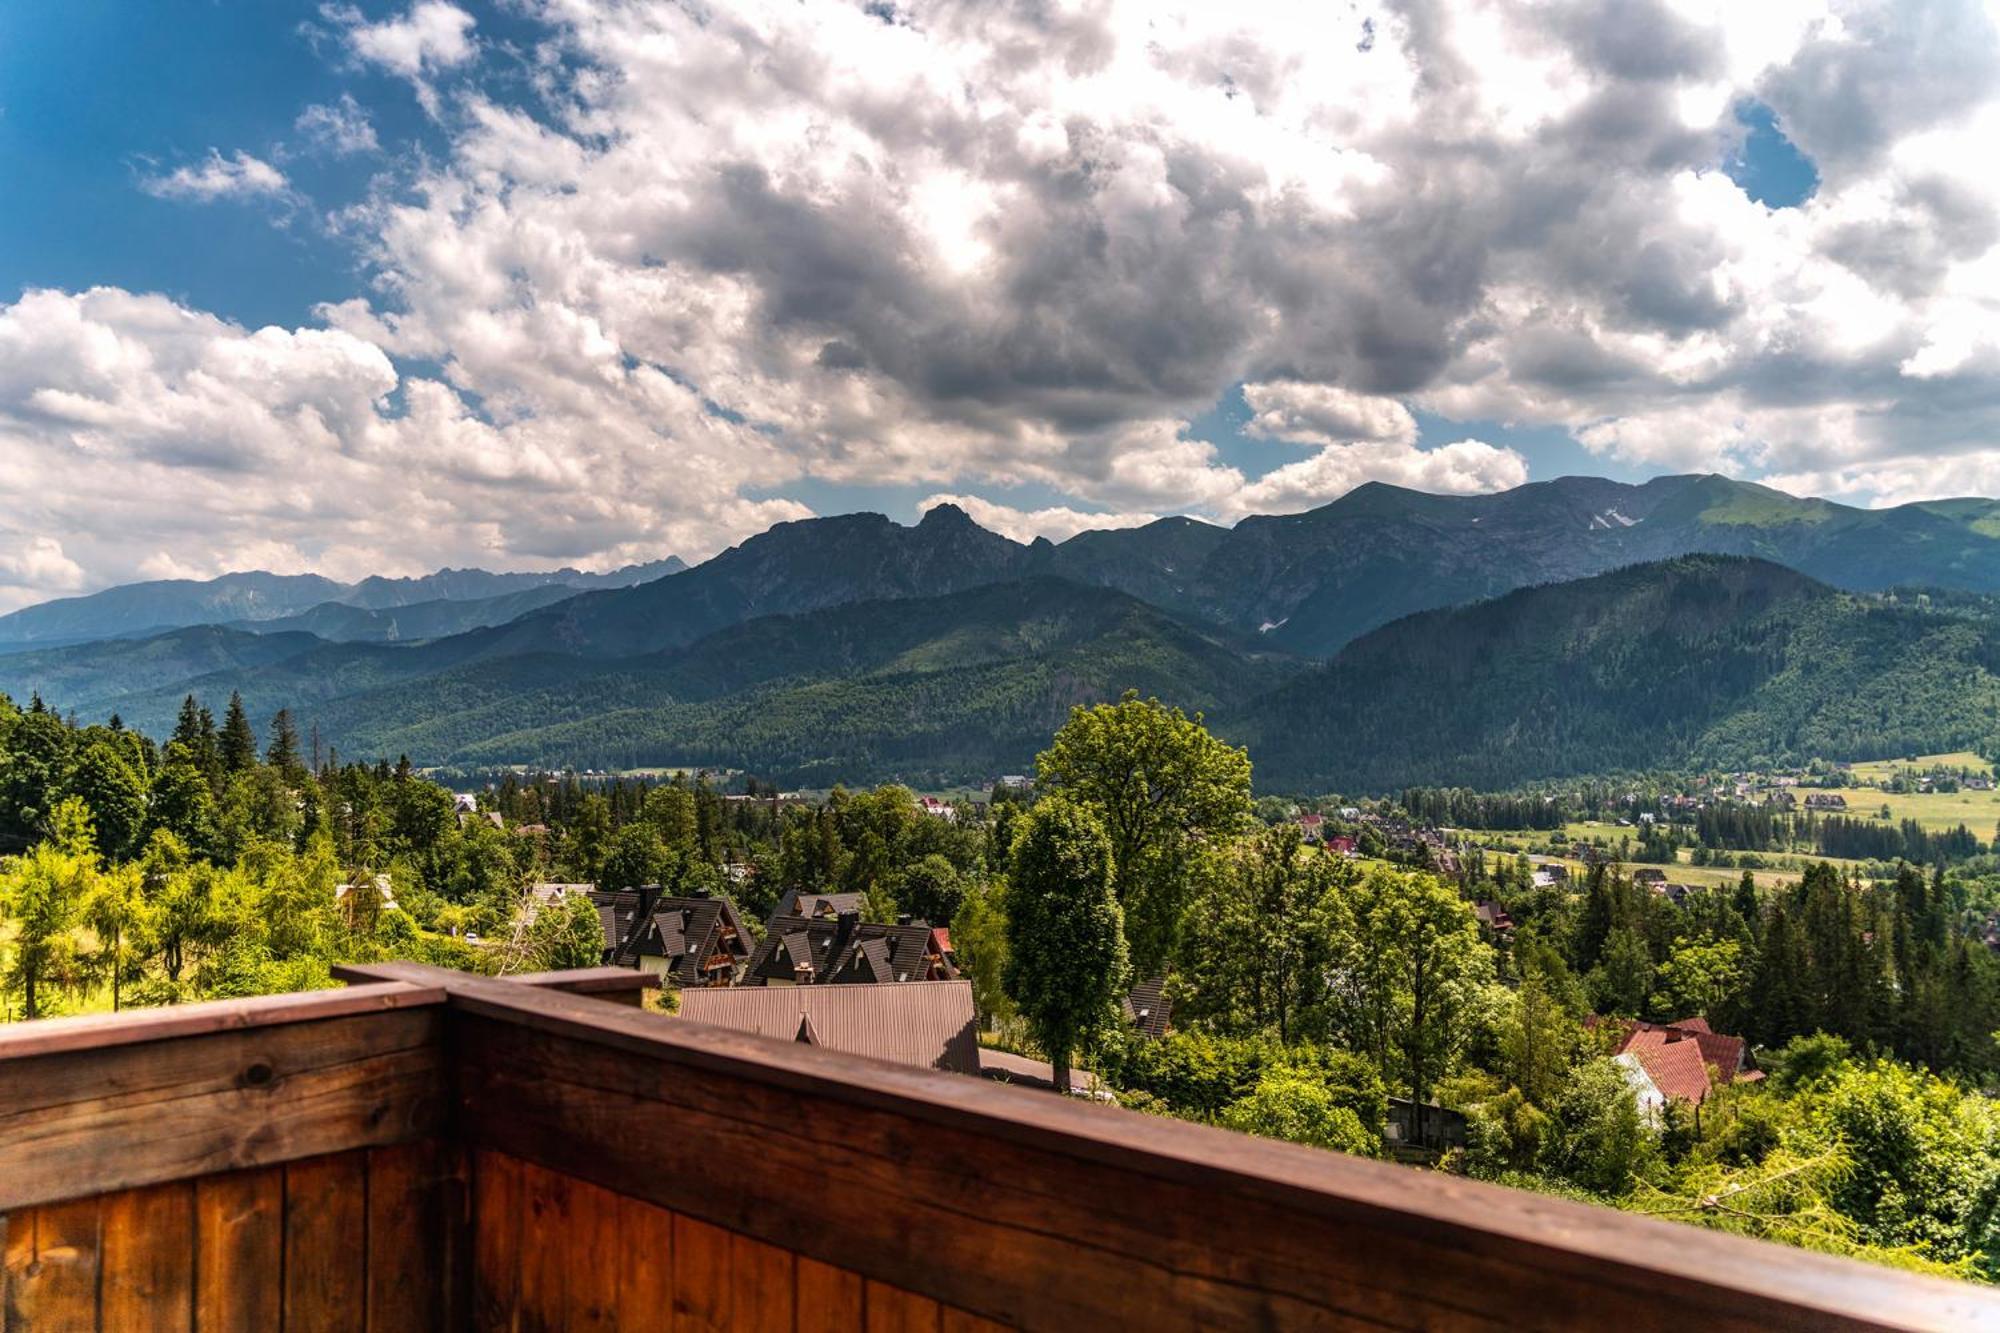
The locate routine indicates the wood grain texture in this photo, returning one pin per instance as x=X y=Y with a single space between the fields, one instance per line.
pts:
x=702 y=1290
x=764 y=1284
x=418 y=1238
x=646 y=1265
x=148 y=1259
x=893 y=1310
x=239 y=1252
x=87 y=1122
x=326 y=1244
x=547 y=1236
x=1036 y=1212
x=51 y=1267
x=829 y=1298
x=496 y=1240
x=960 y=1321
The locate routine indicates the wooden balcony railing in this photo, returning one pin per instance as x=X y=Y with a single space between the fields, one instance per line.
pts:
x=430 y=1150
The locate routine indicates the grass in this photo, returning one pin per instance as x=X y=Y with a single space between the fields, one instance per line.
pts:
x=1510 y=842
x=1939 y=812
x=1881 y=770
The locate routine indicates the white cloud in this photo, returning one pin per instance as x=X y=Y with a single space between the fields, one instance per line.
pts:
x=726 y=248
x=1056 y=522
x=31 y=567
x=163 y=441
x=239 y=176
x=432 y=36
x=1467 y=467
x=1325 y=414
x=341 y=127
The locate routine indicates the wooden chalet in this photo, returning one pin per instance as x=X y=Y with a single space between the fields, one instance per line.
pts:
x=696 y=941
x=844 y=950
x=430 y=1150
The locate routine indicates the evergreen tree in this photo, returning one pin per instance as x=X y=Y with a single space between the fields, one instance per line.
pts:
x=238 y=745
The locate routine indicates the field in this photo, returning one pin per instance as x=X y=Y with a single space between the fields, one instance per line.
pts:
x=1881 y=770
x=1509 y=842
x=1936 y=811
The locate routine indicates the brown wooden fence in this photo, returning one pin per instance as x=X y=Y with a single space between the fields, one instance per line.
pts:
x=434 y=1150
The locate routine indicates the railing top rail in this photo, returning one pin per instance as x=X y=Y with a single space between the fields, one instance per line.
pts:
x=131 y=1027
x=1450 y=1213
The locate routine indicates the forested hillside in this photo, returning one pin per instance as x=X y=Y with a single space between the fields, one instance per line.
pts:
x=1701 y=660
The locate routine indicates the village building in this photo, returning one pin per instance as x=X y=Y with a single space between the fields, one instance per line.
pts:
x=687 y=941
x=1825 y=800
x=927 y=1025
x=1684 y=1061
x=845 y=950
x=1149 y=1009
x=796 y=903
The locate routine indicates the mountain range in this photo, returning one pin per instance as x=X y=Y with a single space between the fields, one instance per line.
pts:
x=1353 y=647
x=256 y=599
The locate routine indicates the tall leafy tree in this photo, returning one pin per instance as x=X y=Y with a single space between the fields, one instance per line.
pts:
x=116 y=796
x=1066 y=960
x=44 y=897
x=1159 y=783
x=119 y=917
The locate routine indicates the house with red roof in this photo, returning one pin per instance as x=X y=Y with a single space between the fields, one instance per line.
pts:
x=1684 y=1061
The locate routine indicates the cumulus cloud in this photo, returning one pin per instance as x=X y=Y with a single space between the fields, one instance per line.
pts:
x=1467 y=467
x=341 y=127
x=239 y=176
x=32 y=566
x=715 y=250
x=158 y=438
x=1325 y=414
x=1055 y=522
x=432 y=36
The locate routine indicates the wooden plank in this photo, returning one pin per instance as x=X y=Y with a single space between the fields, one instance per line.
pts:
x=51 y=1267
x=547 y=1228
x=646 y=1265
x=138 y=1027
x=951 y=1320
x=764 y=1285
x=701 y=1278
x=829 y=1299
x=496 y=1240
x=894 y=1310
x=239 y=1251
x=417 y=1237
x=1086 y=1215
x=326 y=1243
x=148 y=1263
x=86 y=1122
x=593 y=1258
x=621 y=985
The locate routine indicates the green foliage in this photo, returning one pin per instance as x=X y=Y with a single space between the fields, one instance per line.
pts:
x=1301 y=1109
x=566 y=934
x=1066 y=960
x=1160 y=784
x=1703 y=660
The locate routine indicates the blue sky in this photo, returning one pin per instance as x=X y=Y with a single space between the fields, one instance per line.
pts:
x=99 y=94
x=875 y=294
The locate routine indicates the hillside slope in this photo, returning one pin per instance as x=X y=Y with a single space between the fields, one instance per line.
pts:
x=944 y=688
x=1701 y=659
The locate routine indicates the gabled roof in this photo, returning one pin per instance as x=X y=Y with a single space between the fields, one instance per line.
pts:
x=931 y=1025
x=795 y=903
x=1668 y=1050
x=1149 y=1009
x=1675 y=1067
x=845 y=950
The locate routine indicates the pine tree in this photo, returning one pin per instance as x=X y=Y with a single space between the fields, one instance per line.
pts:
x=283 y=752
x=239 y=742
